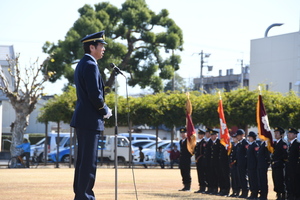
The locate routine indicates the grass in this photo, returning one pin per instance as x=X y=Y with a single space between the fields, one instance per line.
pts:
x=56 y=184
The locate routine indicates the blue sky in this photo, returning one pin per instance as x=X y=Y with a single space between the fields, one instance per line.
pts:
x=222 y=28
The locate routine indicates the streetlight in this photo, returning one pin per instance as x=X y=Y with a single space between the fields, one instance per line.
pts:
x=271 y=26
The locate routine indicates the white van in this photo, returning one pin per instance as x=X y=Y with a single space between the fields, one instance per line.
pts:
x=51 y=143
x=140 y=136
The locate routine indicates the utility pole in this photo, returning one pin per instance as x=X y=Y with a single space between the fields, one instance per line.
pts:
x=201 y=71
x=242 y=74
x=203 y=55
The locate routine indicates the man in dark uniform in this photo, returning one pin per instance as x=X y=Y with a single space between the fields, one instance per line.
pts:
x=252 y=165
x=207 y=161
x=235 y=183
x=199 y=153
x=214 y=161
x=278 y=160
x=263 y=163
x=293 y=166
x=241 y=160
x=185 y=161
x=88 y=116
x=224 y=172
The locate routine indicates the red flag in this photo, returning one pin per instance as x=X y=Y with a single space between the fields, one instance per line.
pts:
x=264 y=131
x=224 y=133
x=190 y=129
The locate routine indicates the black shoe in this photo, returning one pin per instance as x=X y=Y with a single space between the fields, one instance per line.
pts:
x=199 y=191
x=243 y=196
x=233 y=195
x=184 y=190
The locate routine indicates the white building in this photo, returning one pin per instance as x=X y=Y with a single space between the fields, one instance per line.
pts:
x=275 y=62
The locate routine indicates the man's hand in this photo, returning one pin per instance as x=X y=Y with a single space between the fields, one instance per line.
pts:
x=109 y=113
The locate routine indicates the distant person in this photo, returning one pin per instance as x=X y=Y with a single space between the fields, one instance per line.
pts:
x=263 y=163
x=160 y=158
x=252 y=165
x=26 y=151
x=185 y=161
x=293 y=166
x=199 y=158
x=142 y=157
x=235 y=183
x=241 y=161
x=207 y=161
x=174 y=156
x=214 y=162
x=278 y=160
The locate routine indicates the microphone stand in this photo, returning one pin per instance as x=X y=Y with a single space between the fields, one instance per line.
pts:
x=116 y=136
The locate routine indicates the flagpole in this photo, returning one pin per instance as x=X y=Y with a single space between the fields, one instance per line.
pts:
x=259 y=89
x=220 y=95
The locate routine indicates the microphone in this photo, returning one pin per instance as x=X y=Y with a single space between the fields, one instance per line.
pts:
x=117 y=69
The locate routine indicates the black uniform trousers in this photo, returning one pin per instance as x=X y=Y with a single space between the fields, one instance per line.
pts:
x=253 y=180
x=242 y=174
x=278 y=177
x=185 y=170
x=86 y=164
x=235 y=184
x=201 y=173
x=263 y=182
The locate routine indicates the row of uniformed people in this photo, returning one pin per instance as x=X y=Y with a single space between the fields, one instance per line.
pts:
x=247 y=164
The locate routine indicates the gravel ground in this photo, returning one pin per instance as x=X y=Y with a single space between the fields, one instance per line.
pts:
x=48 y=183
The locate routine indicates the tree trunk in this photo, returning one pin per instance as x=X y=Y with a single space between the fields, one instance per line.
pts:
x=20 y=124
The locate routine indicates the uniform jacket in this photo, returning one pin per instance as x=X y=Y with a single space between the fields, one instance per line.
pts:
x=263 y=156
x=215 y=152
x=207 y=151
x=252 y=156
x=280 y=154
x=232 y=156
x=199 y=150
x=241 y=153
x=294 y=156
x=90 y=107
x=184 y=153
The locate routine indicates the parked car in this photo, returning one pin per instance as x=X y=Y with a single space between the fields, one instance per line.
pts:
x=141 y=143
x=63 y=156
x=64 y=152
x=51 y=144
x=140 y=136
x=149 y=151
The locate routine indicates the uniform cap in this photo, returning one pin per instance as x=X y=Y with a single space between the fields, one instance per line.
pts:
x=208 y=130
x=213 y=132
x=234 y=135
x=252 y=134
x=95 y=37
x=240 y=132
x=292 y=130
x=182 y=130
x=200 y=131
x=278 y=128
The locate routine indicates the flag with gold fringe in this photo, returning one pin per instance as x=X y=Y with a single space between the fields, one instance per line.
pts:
x=264 y=131
x=224 y=133
x=190 y=129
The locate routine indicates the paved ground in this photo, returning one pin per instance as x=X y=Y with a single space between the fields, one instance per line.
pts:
x=48 y=183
